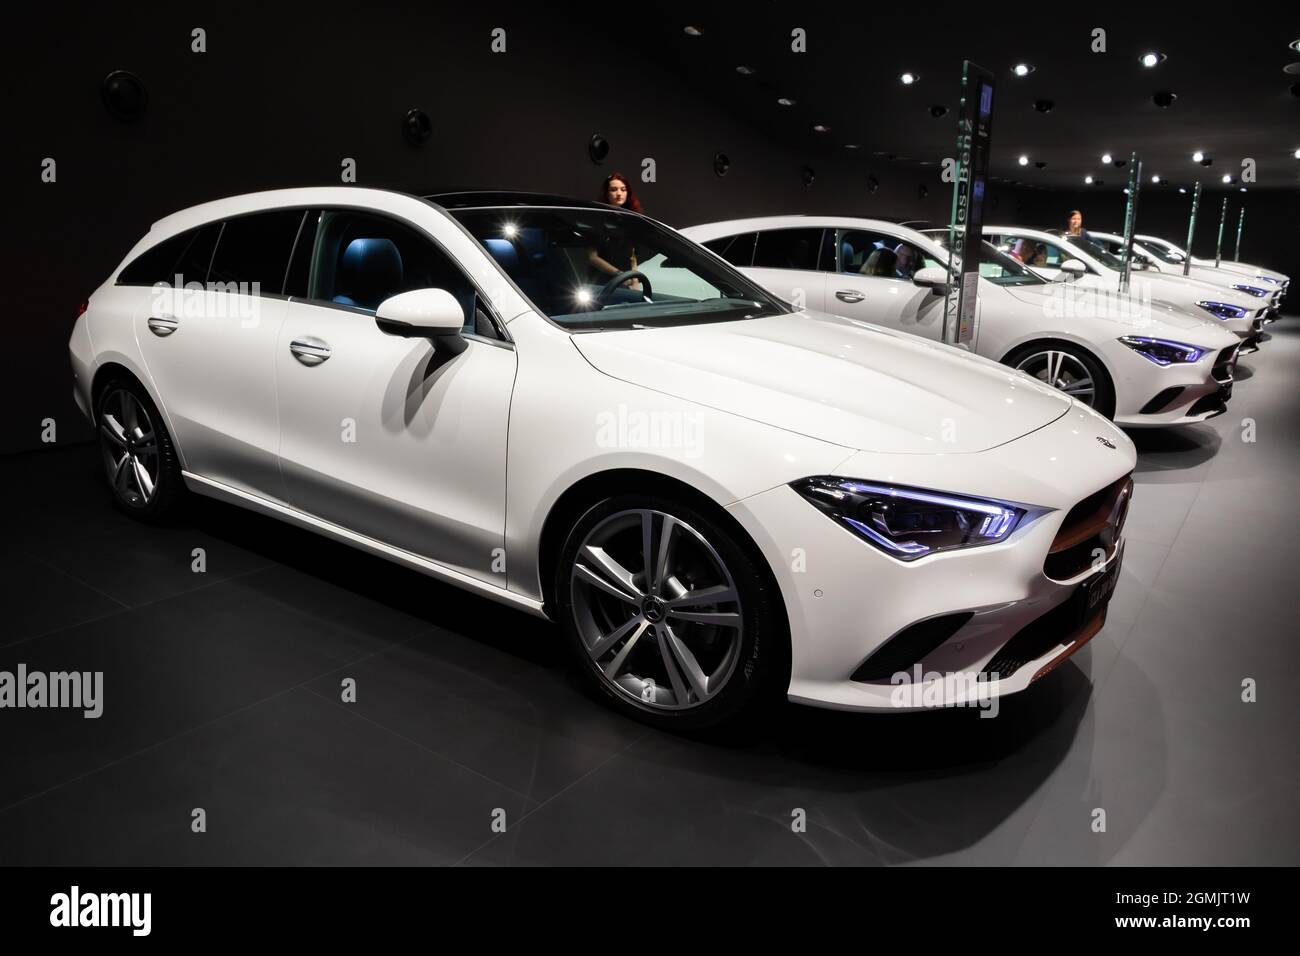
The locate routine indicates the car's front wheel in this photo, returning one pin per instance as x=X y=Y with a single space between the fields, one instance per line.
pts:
x=139 y=459
x=671 y=619
x=1071 y=369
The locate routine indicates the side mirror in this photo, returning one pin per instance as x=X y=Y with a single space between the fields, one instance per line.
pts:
x=1073 y=268
x=933 y=278
x=432 y=314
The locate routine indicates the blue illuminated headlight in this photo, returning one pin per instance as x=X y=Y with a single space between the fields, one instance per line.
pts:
x=1162 y=351
x=910 y=523
x=1250 y=289
x=1223 y=310
x=1267 y=279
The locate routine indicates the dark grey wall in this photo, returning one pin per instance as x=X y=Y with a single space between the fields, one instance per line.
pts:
x=281 y=97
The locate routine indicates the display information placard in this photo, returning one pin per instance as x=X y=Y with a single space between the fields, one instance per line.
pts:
x=1191 y=229
x=965 y=228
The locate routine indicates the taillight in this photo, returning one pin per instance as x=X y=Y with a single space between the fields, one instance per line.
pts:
x=81 y=309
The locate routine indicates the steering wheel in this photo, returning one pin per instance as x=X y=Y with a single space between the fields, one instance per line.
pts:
x=608 y=288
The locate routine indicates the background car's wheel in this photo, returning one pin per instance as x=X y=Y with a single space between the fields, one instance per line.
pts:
x=1072 y=369
x=140 y=461
x=670 y=618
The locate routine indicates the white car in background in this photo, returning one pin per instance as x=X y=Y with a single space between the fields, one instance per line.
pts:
x=1176 y=255
x=717 y=496
x=1158 y=367
x=1086 y=263
x=1156 y=260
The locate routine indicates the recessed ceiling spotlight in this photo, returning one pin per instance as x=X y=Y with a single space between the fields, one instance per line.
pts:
x=745 y=70
x=1197 y=156
x=785 y=101
x=1023 y=160
x=1164 y=98
x=1155 y=179
x=1296 y=154
x=1182 y=189
x=851 y=146
x=1243 y=188
x=1291 y=69
x=1044 y=106
x=1106 y=158
x=937 y=110
x=1022 y=69
x=1227 y=178
x=1295 y=45
x=1153 y=58
x=909 y=78
x=819 y=128
x=1088 y=180
x=1125 y=190
x=693 y=31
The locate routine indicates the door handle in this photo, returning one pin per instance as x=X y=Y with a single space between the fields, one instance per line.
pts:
x=848 y=295
x=309 y=350
x=162 y=325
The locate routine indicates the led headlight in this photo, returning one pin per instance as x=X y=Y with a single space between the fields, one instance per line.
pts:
x=1223 y=310
x=1267 y=279
x=1250 y=289
x=909 y=523
x=1162 y=351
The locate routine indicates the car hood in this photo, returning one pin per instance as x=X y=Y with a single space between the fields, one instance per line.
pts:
x=1193 y=285
x=1163 y=318
x=835 y=379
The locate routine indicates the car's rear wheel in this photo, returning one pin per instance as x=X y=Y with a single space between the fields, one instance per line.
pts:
x=669 y=617
x=139 y=458
x=1071 y=369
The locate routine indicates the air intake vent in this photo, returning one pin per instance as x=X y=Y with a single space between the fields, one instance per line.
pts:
x=910 y=645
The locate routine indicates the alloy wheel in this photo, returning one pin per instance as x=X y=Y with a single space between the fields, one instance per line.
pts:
x=130 y=447
x=657 y=610
x=1063 y=371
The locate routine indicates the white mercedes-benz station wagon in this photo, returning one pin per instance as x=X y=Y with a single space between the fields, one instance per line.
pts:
x=1140 y=363
x=717 y=497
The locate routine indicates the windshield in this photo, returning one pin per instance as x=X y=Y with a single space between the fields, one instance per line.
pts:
x=1095 y=249
x=1163 y=254
x=995 y=265
x=575 y=266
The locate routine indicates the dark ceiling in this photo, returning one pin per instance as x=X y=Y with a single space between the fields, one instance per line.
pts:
x=1234 y=97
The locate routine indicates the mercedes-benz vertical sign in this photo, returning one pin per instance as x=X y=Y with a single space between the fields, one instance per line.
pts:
x=974 y=135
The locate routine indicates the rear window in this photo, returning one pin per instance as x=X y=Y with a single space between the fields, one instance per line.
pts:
x=788 y=249
x=186 y=256
x=738 y=250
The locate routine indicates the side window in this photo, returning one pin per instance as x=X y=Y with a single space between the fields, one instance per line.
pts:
x=738 y=250
x=299 y=272
x=788 y=249
x=187 y=255
x=253 y=251
x=362 y=259
x=878 y=254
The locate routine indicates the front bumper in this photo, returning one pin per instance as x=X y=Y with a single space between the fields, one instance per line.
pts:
x=846 y=600
x=1184 y=394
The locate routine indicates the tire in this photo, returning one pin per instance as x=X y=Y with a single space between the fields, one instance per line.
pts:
x=623 y=645
x=140 y=461
x=1070 y=361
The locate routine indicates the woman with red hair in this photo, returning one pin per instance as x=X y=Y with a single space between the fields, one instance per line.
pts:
x=615 y=254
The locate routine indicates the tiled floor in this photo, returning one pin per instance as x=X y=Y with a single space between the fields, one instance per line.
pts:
x=222 y=691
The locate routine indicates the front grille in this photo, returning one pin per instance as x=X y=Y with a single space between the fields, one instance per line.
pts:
x=1058 y=626
x=909 y=646
x=1093 y=523
x=1224 y=365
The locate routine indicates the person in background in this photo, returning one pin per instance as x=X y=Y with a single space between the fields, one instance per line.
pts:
x=615 y=254
x=1074 y=225
x=906 y=259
